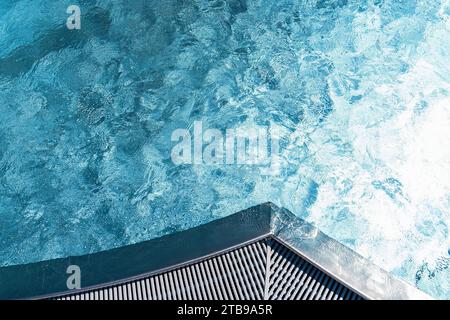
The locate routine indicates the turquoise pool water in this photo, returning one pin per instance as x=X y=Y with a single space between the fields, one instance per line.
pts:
x=360 y=88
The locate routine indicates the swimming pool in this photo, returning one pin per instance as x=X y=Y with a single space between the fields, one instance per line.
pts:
x=360 y=89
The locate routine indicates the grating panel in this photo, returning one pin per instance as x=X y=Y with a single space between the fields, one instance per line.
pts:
x=265 y=269
x=293 y=278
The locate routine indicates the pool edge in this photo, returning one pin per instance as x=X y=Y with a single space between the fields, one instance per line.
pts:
x=48 y=278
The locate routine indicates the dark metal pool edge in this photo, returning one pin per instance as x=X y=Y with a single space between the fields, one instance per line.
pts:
x=48 y=278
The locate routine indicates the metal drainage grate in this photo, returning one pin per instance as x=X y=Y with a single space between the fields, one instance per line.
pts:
x=265 y=269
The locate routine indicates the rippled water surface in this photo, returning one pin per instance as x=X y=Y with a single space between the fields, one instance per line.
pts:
x=361 y=89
